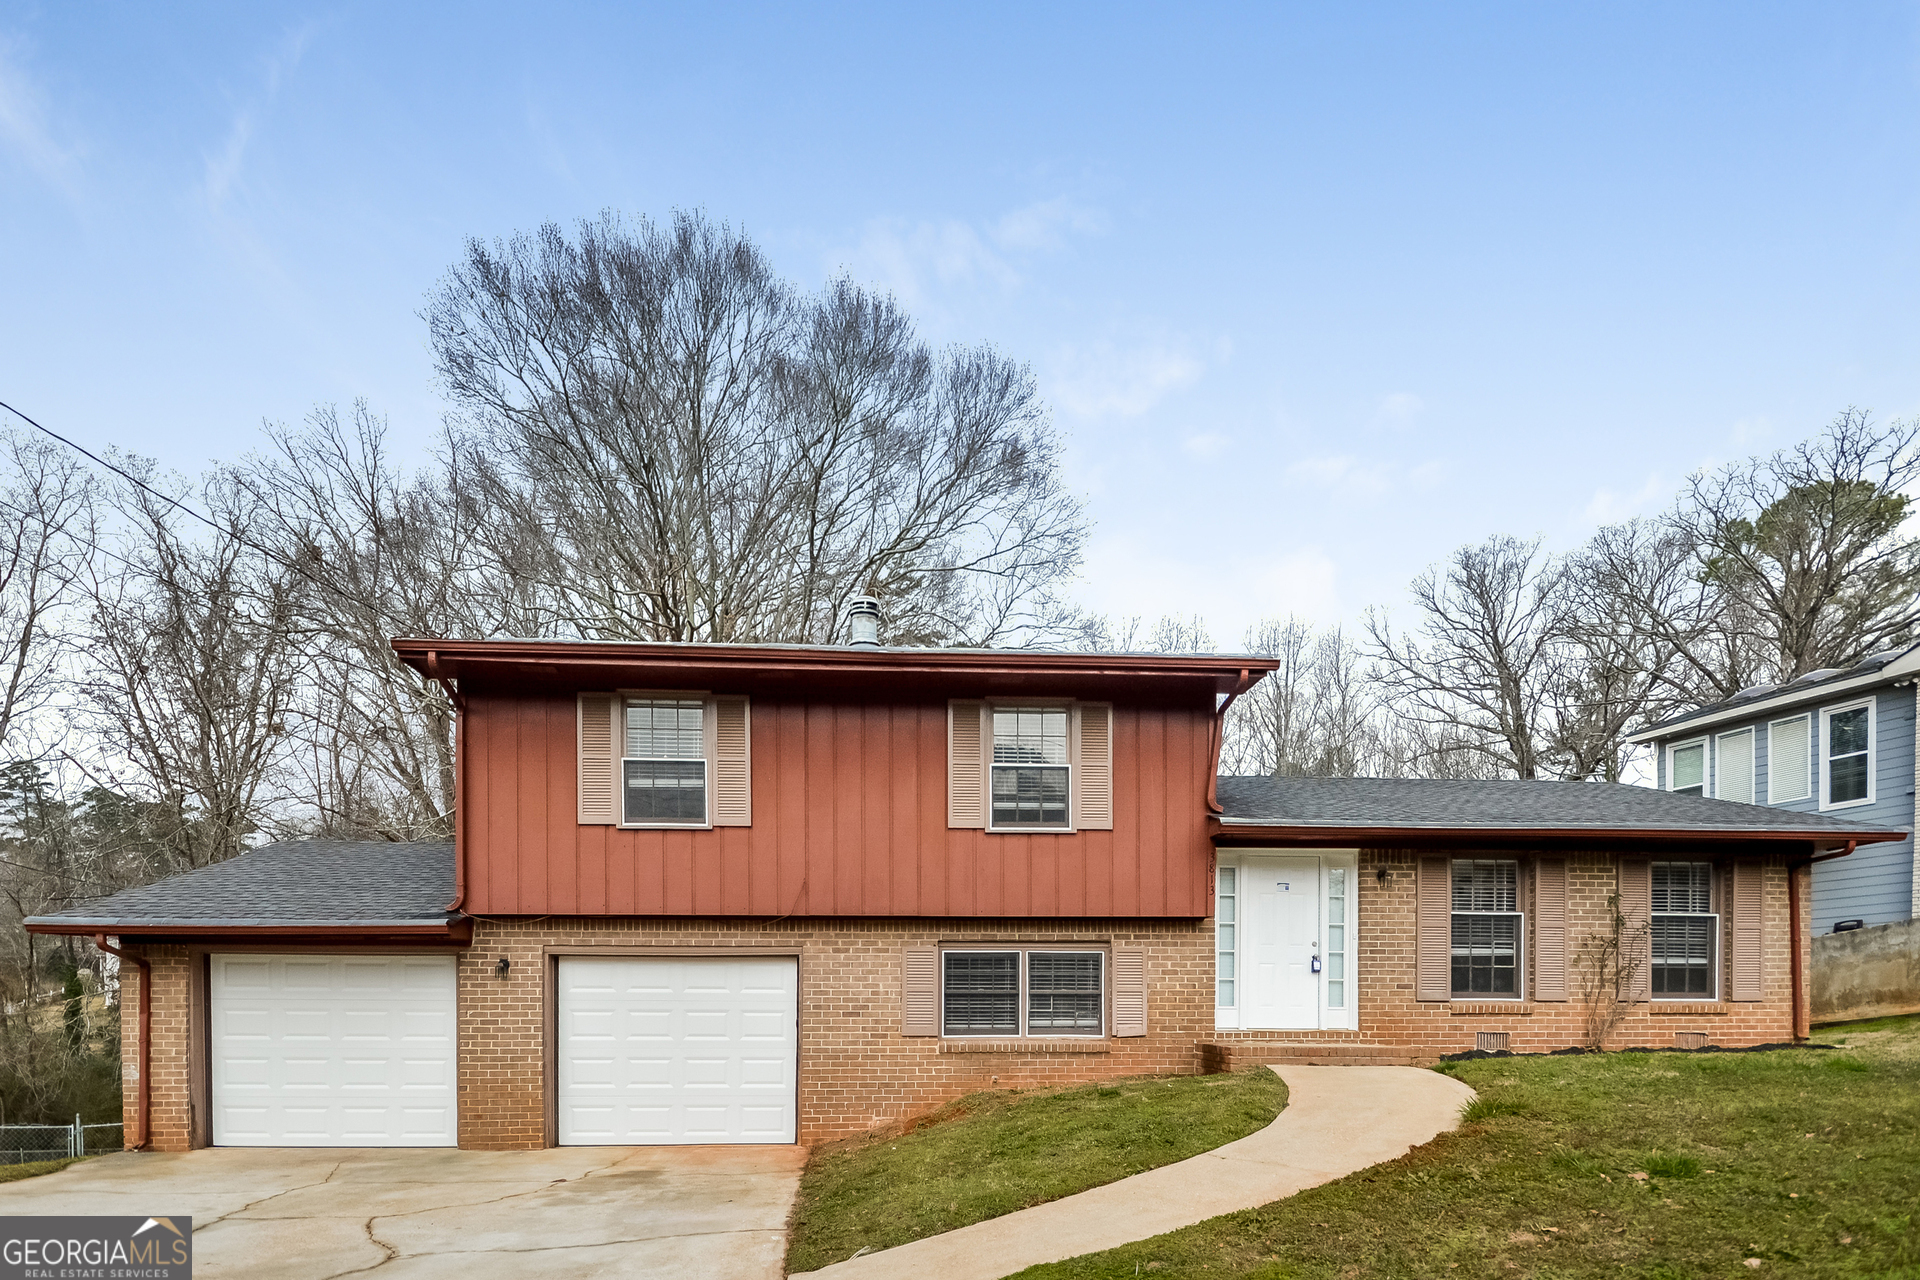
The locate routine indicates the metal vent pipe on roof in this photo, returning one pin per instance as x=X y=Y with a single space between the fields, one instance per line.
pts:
x=863 y=622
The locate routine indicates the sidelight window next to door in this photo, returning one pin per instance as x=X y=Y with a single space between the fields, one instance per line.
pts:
x=1284 y=941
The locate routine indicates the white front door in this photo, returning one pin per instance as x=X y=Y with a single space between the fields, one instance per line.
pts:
x=333 y=1051
x=677 y=1050
x=1280 y=938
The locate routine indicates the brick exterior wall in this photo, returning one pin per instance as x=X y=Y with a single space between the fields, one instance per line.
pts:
x=1396 y=1028
x=857 y=1072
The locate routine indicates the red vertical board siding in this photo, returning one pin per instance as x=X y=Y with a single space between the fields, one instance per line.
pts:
x=849 y=818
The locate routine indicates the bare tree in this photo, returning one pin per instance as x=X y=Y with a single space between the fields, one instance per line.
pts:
x=678 y=445
x=1480 y=668
x=1810 y=543
x=47 y=526
x=191 y=670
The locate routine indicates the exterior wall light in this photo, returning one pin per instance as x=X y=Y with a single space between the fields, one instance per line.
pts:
x=504 y=965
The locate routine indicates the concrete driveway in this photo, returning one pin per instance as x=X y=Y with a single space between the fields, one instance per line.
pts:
x=572 y=1212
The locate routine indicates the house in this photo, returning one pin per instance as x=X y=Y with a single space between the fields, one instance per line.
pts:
x=1835 y=742
x=704 y=893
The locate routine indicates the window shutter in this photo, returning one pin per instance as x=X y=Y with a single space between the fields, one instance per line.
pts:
x=732 y=763
x=1636 y=933
x=1743 y=935
x=597 y=754
x=966 y=764
x=1129 y=991
x=1094 y=770
x=920 y=992
x=1433 y=930
x=1550 y=929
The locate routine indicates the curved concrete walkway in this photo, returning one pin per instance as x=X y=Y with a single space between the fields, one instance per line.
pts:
x=1337 y=1120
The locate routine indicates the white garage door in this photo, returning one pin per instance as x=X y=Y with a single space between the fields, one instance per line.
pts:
x=684 y=1050
x=333 y=1051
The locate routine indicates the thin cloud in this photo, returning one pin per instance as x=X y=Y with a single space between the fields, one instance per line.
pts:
x=1104 y=380
x=916 y=259
x=1610 y=506
x=27 y=130
x=224 y=168
x=1206 y=444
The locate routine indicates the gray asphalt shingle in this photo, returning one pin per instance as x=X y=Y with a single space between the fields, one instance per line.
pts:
x=312 y=881
x=1442 y=804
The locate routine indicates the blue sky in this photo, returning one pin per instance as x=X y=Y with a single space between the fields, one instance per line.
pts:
x=1316 y=293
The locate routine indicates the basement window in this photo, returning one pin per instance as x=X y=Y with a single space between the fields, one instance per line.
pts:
x=1023 y=993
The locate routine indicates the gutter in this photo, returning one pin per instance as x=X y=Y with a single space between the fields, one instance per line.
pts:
x=143 y=1099
x=457 y=930
x=1254 y=827
x=1246 y=682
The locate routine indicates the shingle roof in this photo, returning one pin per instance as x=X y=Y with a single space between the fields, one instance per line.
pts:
x=1812 y=685
x=294 y=882
x=1453 y=805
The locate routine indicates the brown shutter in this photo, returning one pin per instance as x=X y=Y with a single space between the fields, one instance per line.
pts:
x=920 y=992
x=1744 y=931
x=966 y=764
x=1129 y=991
x=597 y=755
x=1550 y=929
x=1094 y=801
x=1433 y=930
x=732 y=763
x=1636 y=930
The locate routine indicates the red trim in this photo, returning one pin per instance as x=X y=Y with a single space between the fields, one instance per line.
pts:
x=1409 y=837
x=1220 y=738
x=143 y=1100
x=456 y=932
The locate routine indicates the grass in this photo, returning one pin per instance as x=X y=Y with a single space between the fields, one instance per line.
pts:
x=992 y=1153
x=34 y=1168
x=1648 y=1166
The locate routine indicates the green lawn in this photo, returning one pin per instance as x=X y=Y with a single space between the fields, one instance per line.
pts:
x=991 y=1153
x=34 y=1168
x=1654 y=1166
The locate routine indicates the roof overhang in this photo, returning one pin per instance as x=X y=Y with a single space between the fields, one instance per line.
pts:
x=1243 y=832
x=558 y=665
x=1901 y=669
x=457 y=931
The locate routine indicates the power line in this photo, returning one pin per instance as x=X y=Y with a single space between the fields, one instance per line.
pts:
x=208 y=521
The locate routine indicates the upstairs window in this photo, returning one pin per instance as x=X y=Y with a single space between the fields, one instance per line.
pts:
x=1687 y=768
x=1846 y=755
x=1030 y=779
x=1487 y=926
x=1686 y=933
x=663 y=764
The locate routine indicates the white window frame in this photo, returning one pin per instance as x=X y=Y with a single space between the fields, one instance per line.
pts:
x=1232 y=952
x=1774 y=793
x=1753 y=760
x=1719 y=938
x=1024 y=950
x=1072 y=765
x=625 y=701
x=1706 y=762
x=1873 y=752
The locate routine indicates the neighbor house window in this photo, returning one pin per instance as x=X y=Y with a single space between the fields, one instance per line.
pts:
x=1052 y=992
x=1687 y=768
x=1686 y=933
x=1788 y=771
x=1733 y=758
x=1224 y=902
x=1846 y=755
x=664 y=764
x=1487 y=928
x=1030 y=770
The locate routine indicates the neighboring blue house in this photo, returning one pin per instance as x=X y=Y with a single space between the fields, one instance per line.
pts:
x=1839 y=742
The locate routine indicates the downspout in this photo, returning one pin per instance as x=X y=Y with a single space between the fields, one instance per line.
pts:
x=1220 y=739
x=1802 y=998
x=142 y=1099
x=459 y=702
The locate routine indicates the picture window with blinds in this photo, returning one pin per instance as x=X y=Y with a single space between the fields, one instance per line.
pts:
x=1846 y=755
x=1487 y=929
x=1023 y=993
x=663 y=765
x=1686 y=932
x=1031 y=776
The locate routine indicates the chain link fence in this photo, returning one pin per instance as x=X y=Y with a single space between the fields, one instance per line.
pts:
x=26 y=1143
